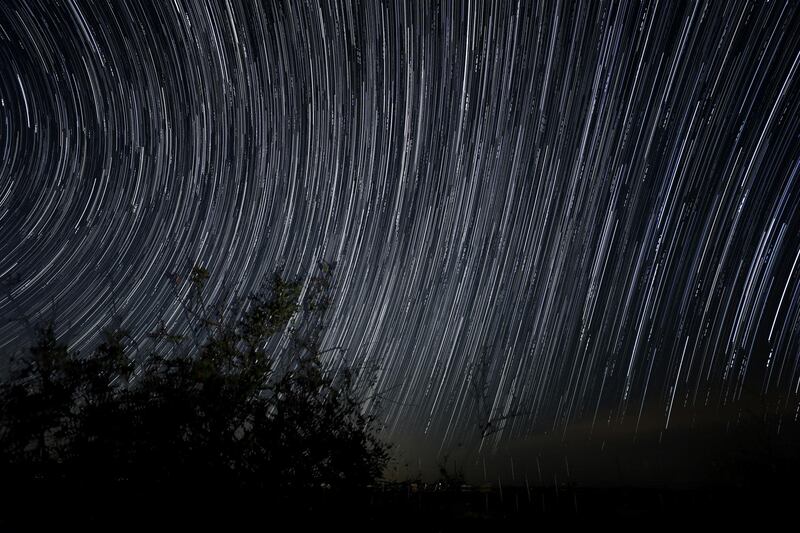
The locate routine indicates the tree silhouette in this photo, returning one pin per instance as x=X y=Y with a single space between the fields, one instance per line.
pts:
x=247 y=405
x=488 y=422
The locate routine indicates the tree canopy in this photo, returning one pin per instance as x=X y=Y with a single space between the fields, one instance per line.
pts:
x=245 y=402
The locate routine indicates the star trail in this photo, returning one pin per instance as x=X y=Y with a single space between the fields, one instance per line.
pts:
x=596 y=203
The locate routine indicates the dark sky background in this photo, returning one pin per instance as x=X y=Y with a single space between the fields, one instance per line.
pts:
x=598 y=201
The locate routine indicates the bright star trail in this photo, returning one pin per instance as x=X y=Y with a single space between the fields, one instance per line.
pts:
x=603 y=198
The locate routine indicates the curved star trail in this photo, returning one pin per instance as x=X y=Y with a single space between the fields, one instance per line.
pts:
x=602 y=198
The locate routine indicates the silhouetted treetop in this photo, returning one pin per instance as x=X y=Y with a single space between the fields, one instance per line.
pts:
x=222 y=413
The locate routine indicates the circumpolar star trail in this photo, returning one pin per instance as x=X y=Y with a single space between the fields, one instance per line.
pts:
x=603 y=198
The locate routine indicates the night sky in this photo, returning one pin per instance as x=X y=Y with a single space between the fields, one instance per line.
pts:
x=599 y=204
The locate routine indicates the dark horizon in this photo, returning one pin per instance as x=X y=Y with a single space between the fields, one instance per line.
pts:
x=568 y=231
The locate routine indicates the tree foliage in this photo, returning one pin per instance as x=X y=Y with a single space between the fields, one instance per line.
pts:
x=249 y=404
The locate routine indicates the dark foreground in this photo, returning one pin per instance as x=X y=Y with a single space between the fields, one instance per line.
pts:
x=401 y=507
